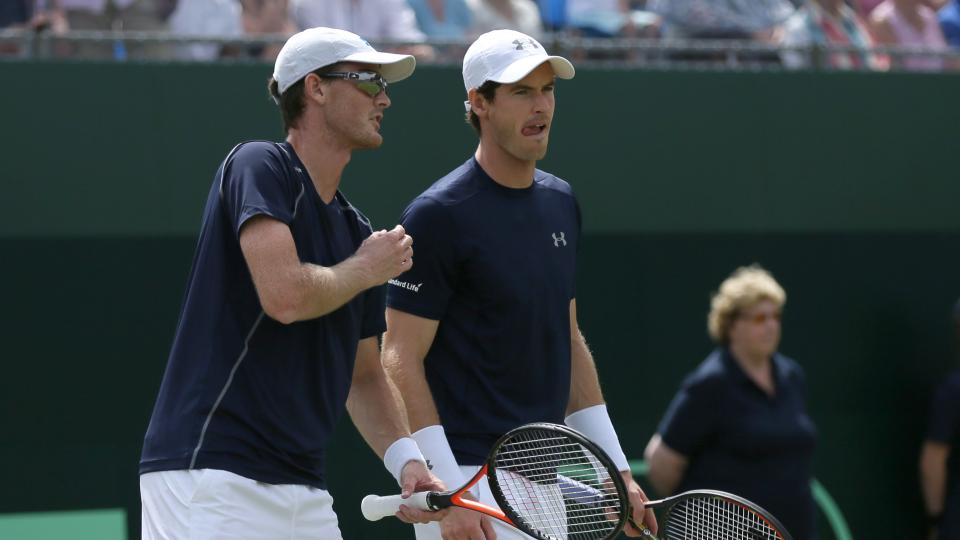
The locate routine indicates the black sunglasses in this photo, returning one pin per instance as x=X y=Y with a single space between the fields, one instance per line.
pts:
x=370 y=82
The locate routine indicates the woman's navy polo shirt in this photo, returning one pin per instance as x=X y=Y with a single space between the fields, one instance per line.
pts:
x=739 y=439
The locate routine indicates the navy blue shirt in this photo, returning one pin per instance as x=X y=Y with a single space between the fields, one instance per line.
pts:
x=739 y=439
x=15 y=12
x=243 y=392
x=495 y=265
x=945 y=428
x=950 y=22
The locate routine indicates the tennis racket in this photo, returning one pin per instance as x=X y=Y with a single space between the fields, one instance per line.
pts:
x=712 y=515
x=553 y=484
x=548 y=481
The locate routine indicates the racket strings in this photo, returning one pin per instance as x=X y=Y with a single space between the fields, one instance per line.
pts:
x=557 y=486
x=715 y=518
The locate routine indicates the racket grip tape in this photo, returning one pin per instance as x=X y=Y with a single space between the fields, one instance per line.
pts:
x=375 y=507
x=640 y=526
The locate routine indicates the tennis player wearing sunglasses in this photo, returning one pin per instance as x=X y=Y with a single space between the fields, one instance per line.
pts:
x=278 y=331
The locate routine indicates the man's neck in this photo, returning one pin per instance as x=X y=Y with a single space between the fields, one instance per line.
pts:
x=323 y=158
x=504 y=168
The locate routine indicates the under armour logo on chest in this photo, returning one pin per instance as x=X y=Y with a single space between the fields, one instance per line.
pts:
x=520 y=43
x=558 y=239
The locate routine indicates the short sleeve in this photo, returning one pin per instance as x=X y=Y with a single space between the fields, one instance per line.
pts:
x=689 y=420
x=255 y=181
x=945 y=412
x=425 y=289
x=374 y=322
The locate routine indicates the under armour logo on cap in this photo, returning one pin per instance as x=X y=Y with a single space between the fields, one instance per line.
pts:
x=507 y=56
x=530 y=42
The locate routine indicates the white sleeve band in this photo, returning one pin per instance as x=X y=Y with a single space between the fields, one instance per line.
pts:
x=401 y=452
x=435 y=447
x=594 y=422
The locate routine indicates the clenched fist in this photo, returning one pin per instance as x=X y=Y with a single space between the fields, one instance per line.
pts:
x=386 y=254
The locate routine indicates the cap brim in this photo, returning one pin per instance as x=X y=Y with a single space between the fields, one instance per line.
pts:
x=562 y=68
x=393 y=67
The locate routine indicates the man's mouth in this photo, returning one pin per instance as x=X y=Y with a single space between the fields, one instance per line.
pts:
x=533 y=129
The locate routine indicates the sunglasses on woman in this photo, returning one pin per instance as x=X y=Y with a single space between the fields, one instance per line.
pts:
x=369 y=81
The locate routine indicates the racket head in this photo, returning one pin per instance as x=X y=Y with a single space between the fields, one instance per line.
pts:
x=554 y=484
x=701 y=513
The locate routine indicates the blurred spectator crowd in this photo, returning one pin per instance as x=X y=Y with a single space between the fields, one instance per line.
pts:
x=852 y=33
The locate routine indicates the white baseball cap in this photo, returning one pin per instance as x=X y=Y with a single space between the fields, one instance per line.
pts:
x=319 y=47
x=506 y=56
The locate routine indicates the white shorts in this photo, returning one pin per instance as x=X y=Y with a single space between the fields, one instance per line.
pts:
x=431 y=531
x=210 y=504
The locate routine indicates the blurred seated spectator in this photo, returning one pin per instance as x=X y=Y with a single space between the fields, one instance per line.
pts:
x=443 y=19
x=950 y=23
x=520 y=15
x=117 y=15
x=721 y=19
x=824 y=23
x=30 y=15
x=37 y=15
x=265 y=18
x=205 y=18
x=373 y=20
x=600 y=18
x=553 y=14
x=865 y=7
x=909 y=23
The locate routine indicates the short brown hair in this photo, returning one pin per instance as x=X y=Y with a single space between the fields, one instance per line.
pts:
x=745 y=288
x=291 y=101
x=488 y=90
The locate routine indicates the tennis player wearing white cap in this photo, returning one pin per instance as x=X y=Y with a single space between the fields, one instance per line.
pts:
x=482 y=333
x=278 y=330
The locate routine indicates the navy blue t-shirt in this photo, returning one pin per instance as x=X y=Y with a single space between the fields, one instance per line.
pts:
x=739 y=439
x=15 y=12
x=495 y=265
x=243 y=392
x=945 y=428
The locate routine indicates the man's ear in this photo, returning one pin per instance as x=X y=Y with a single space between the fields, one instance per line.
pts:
x=478 y=103
x=314 y=88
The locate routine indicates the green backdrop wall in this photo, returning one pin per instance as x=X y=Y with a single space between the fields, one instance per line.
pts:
x=844 y=185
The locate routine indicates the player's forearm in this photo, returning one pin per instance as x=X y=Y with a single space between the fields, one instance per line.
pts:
x=376 y=409
x=318 y=290
x=584 y=382
x=407 y=373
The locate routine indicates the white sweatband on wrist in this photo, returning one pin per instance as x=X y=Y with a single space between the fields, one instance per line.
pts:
x=398 y=454
x=594 y=422
x=435 y=447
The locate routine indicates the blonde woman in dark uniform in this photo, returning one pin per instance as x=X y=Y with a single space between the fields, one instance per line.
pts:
x=739 y=421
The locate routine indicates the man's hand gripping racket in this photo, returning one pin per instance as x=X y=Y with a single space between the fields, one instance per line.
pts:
x=548 y=481
x=553 y=484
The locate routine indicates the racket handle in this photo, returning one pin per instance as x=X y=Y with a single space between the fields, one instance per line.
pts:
x=375 y=507
x=642 y=528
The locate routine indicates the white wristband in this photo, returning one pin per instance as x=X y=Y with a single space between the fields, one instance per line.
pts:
x=435 y=447
x=594 y=422
x=398 y=454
